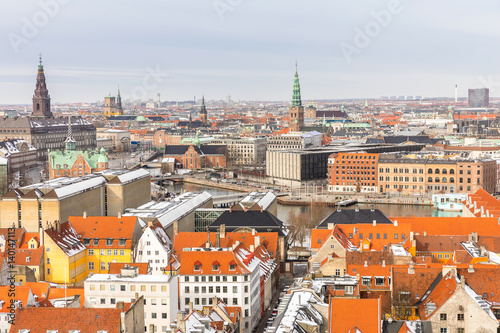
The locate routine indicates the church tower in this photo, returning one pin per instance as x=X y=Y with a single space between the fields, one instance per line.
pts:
x=203 y=111
x=41 y=98
x=296 y=111
x=119 y=109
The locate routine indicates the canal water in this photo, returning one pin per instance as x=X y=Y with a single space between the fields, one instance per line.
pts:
x=284 y=211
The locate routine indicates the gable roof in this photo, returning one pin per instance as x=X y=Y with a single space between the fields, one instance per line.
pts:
x=66 y=239
x=251 y=219
x=206 y=257
x=86 y=320
x=355 y=216
x=103 y=227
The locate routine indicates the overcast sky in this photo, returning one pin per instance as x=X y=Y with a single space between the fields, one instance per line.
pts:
x=247 y=48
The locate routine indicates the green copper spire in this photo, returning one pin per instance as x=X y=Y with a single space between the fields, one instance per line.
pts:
x=296 y=100
x=342 y=108
x=40 y=66
x=366 y=103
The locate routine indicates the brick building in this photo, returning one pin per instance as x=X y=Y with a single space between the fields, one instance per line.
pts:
x=197 y=157
x=353 y=172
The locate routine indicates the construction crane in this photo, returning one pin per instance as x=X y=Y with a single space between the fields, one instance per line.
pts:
x=131 y=117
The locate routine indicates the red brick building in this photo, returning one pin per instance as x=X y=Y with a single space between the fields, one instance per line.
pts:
x=353 y=172
x=197 y=157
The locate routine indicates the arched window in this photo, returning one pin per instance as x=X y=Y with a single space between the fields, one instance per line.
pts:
x=452 y=172
x=429 y=171
x=437 y=171
x=452 y=180
x=437 y=179
x=445 y=171
x=445 y=180
x=395 y=170
x=429 y=179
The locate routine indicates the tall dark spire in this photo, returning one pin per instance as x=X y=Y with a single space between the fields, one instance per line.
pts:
x=296 y=100
x=41 y=97
x=203 y=111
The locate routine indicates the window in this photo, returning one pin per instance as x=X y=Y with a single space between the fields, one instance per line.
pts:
x=121 y=242
x=153 y=288
x=215 y=267
x=48 y=261
x=337 y=272
x=366 y=281
x=224 y=289
x=115 y=252
x=112 y=287
x=113 y=300
x=440 y=256
x=48 y=271
x=109 y=241
x=196 y=290
x=103 y=301
x=460 y=330
x=186 y=301
x=143 y=288
x=163 y=315
x=153 y=315
x=442 y=316
x=197 y=267
x=395 y=236
x=96 y=241
x=235 y=289
x=235 y=301
x=163 y=288
x=91 y=252
x=443 y=330
x=232 y=267
x=460 y=316
x=122 y=287
x=91 y=266
x=379 y=281
x=109 y=252
x=186 y=290
x=122 y=252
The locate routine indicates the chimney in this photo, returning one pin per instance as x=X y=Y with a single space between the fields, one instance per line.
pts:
x=217 y=239
x=252 y=249
x=366 y=263
x=41 y=235
x=58 y=226
x=261 y=209
x=395 y=223
x=411 y=268
x=119 y=215
x=330 y=226
x=85 y=214
x=136 y=296
x=190 y=307
x=245 y=209
x=425 y=233
x=383 y=263
x=471 y=268
x=176 y=227
x=206 y=310
x=411 y=236
x=253 y=232
x=374 y=222
x=150 y=224
x=256 y=241
x=222 y=231
x=214 y=301
x=120 y=305
x=209 y=243
x=483 y=251
x=462 y=281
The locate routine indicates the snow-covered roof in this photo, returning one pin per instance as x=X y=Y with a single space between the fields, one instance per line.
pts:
x=169 y=211
x=399 y=250
x=298 y=308
x=147 y=278
x=65 y=186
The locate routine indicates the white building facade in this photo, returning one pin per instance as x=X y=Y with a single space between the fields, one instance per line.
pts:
x=159 y=291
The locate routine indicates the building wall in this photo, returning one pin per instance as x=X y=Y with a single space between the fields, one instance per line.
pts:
x=353 y=172
x=331 y=245
x=475 y=318
x=161 y=291
x=101 y=258
x=130 y=195
x=91 y=201
x=61 y=268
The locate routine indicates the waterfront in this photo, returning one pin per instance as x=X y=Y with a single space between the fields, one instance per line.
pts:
x=284 y=211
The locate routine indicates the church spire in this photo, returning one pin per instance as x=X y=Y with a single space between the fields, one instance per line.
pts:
x=41 y=97
x=296 y=99
x=69 y=143
x=203 y=111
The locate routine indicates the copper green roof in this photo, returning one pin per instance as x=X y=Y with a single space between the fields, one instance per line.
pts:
x=68 y=158
x=296 y=99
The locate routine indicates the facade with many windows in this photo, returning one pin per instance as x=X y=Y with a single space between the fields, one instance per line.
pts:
x=159 y=292
x=353 y=172
x=233 y=274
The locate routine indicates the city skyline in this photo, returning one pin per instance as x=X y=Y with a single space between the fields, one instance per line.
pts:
x=248 y=50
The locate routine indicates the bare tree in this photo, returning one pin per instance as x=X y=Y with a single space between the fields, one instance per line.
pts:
x=319 y=210
x=299 y=225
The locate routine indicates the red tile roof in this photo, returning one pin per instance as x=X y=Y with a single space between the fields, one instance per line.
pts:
x=207 y=258
x=115 y=267
x=346 y=314
x=103 y=227
x=87 y=320
x=444 y=289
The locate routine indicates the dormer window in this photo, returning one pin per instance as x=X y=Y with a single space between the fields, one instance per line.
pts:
x=96 y=241
x=197 y=267
x=232 y=266
x=109 y=241
x=121 y=242
x=215 y=266
x=86 y=241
